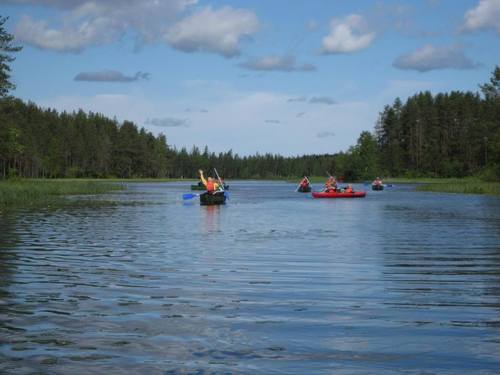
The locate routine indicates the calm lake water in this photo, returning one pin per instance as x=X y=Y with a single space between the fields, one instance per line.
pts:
x=275 y=282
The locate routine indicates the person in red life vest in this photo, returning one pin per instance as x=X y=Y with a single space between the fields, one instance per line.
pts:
x=377 y=181
x=210 y=184
x=304 y=183
x=331 y=184
x=348 y=189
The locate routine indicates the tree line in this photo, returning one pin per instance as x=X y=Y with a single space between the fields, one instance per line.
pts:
x=452 y=134
x=445 y=135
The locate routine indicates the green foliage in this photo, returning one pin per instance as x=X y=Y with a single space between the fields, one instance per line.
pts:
x=37 y=142
x=449 y=135
x=6 y=50
x=491 y=90
x=20 y=192
x=463 y=187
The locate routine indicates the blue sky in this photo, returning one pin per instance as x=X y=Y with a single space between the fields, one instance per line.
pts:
x=289 y=77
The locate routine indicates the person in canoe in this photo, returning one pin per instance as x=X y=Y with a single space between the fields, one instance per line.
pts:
x=210 y=184
x=330 y=184
x=377 y=182
x=348 y=189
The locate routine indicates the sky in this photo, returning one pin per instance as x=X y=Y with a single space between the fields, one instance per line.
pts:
x=289 y=77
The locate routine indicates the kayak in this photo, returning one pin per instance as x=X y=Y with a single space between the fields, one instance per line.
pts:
x=334 y=194
x=304 y=189
x=207 y=199
x=377 y=187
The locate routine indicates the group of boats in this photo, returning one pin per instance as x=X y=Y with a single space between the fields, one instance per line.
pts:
x=331 y=190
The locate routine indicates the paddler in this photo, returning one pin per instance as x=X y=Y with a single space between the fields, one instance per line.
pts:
x=330 y=184
x=210 y=184
x=304 y=183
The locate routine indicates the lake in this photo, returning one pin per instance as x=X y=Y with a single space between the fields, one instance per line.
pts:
x=273 y=282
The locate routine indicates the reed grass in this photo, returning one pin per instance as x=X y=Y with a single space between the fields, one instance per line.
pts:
x=463 y=187
x=36 y=192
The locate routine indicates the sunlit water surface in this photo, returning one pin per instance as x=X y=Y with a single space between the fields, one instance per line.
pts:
x=274 y=282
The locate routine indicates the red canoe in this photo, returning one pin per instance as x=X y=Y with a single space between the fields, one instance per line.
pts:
x=333 y=194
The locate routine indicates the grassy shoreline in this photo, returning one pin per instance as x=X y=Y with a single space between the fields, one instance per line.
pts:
x=466 y=185
x=39 y=192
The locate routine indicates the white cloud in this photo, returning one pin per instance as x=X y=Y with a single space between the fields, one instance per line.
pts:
x=207 y=30
x=67 y=39
x=347 y=35
x=431 y=58
x=486 y=15
x=277 y=63
x=85 y=23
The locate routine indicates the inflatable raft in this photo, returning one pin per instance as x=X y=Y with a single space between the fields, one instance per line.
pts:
x=334 y=194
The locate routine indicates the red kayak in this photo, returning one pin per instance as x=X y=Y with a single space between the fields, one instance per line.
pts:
x=333 y=194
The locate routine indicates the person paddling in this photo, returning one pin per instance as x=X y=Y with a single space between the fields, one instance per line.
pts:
x=377 y=182
x=210 y=184
x=331 y=184
x=348 y=189
x=304 y=183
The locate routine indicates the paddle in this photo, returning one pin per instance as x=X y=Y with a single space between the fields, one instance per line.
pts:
x=221 y=185
x=189 y=196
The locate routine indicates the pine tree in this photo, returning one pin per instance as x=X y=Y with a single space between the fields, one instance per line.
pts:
x=6 y=49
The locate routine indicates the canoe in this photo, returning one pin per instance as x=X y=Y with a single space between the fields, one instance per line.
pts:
x=304 y=189
x=333 y=194
x=207 y=199
x=198 y=187
x=377 y=187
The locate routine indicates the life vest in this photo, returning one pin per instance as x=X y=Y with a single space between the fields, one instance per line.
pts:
x=210 y=186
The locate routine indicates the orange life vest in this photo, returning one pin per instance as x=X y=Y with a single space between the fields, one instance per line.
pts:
x=210 y=186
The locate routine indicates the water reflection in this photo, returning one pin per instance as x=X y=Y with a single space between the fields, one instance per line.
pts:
x=273 y=282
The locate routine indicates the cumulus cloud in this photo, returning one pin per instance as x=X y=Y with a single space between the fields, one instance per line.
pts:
x=110 y=76
x=277 y=63
x=324 y=134
x=431 y=58
x=347 y=35
x=486 y=15
x=219 y=31
x=168 y=122
x=86 y=23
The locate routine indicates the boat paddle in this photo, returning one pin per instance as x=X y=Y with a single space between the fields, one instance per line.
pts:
x=221 y=185
x=189 y=196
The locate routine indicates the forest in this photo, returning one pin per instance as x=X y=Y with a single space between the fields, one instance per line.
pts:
x=445 y=135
